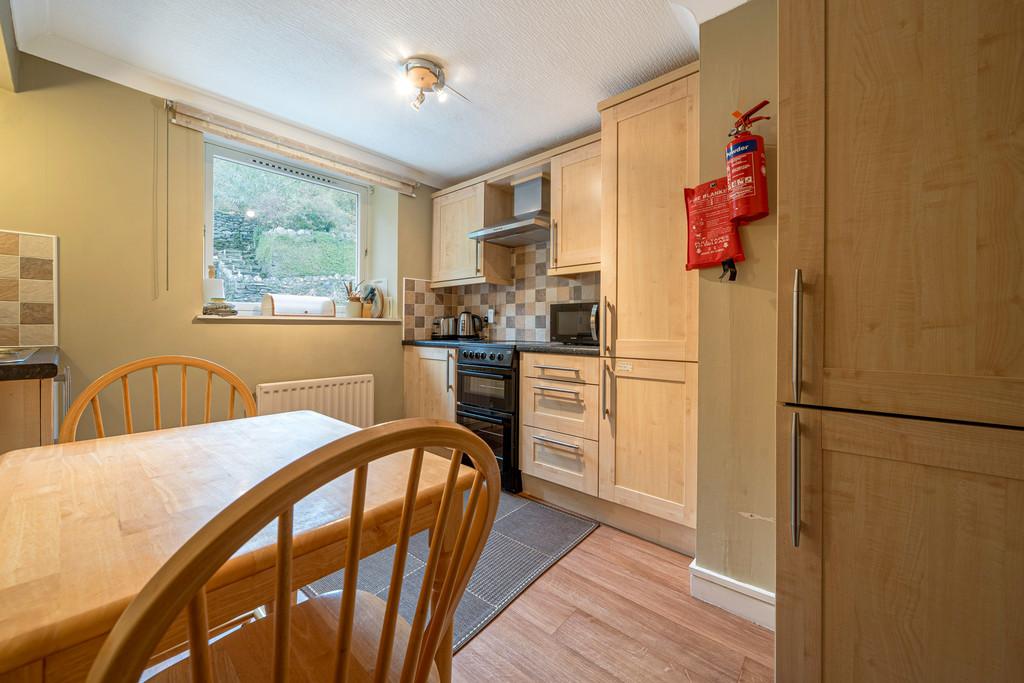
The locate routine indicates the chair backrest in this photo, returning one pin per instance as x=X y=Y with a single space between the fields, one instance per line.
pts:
x=90 y=395
x=180 y=582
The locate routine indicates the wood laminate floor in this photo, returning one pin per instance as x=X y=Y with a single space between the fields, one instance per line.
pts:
x=616 y=608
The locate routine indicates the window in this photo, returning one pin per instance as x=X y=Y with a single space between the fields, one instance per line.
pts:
x=274 y=227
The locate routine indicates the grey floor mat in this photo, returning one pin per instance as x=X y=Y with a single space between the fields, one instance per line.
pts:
x=526 y=540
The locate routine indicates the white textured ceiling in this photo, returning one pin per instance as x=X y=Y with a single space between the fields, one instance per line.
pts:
x=534 y=69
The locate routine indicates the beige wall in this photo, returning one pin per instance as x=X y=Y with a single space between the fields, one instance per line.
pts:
x=84 y=159
x=736 y=396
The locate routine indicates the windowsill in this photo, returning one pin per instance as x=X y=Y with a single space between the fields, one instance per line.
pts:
x=292 y=320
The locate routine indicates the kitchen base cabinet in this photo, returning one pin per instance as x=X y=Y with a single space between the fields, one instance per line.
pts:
x=430 y=382
x=648 y=437
x=910 y=563
x=26 y=413
x=562 y=459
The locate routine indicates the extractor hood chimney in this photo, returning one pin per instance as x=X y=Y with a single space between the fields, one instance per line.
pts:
x=532 y=221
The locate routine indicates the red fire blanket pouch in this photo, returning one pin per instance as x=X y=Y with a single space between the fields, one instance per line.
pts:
x=713 y=238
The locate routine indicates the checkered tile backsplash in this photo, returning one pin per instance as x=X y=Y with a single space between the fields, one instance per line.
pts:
x=520 y=310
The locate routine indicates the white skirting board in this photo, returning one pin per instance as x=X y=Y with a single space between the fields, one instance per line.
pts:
x=750 y=602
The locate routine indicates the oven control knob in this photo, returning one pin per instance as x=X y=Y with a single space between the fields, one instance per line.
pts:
x=501 y=356
x=492 y=356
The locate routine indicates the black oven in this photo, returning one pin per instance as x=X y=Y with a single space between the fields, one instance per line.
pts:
x=575 y=323
x=488 y=396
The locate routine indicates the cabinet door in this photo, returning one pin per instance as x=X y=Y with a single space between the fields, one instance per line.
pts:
x=430 y=382
x=576 y=210
x=649 y=153
x=910 y=552
x=456 y=215
x=648 y=440
x=908 y=230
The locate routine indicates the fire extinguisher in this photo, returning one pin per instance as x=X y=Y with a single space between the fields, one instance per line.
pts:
x=746 y=169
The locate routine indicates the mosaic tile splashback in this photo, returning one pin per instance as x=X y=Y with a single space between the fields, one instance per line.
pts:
x=520 y=310
x=28 y=289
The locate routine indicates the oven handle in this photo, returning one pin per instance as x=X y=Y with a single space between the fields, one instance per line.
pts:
x=485 y=375
x=482 y=418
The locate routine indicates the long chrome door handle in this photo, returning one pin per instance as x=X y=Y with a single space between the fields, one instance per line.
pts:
x=558 y=389
x=794 y=495
x=556 y=442
x=604 y=390
x=479 y=248
x=554 y=243
x=448 y=370
x=798 y=324
x=604 y=326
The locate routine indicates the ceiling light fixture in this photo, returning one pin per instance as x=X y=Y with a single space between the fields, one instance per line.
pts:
x=421 y=76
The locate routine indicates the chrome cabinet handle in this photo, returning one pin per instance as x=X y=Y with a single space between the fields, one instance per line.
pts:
x=448 y=370
x=604 y=326
x=556 y=442
x=604 y=391
x=558 y=389
x=479 y=248
x=798 y=324
x=794 y=494
x=555 y=367
x=554 y=243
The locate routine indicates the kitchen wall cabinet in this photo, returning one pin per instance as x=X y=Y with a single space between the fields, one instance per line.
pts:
x=910 y=551
x=648 y=437
x=457 y=259
x=26 y=413
x=649 y=153
x=921 y=252
x=575 y=245
x=430 y=382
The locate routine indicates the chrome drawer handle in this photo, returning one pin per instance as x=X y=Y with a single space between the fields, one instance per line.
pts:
x=558 y=389
x=556 y=367
x=556 y=442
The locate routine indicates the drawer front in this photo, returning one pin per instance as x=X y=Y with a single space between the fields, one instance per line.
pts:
x=582 y=369
x=564 y=407
x=559 y=458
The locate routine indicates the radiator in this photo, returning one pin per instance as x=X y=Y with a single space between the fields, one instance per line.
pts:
x=349 y=399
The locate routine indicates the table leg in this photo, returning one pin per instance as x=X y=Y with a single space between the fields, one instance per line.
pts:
x=443 y=658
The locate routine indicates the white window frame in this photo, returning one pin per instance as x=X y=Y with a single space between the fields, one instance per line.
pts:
x=264 y=162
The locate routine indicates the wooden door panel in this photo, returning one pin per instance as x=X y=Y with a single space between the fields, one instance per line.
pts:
x=576 y=207
x=649 y=154
x=455 y=215
x=910 y=555
x=917 y=252
x=649 y=440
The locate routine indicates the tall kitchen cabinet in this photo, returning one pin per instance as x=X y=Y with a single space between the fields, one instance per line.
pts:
x=900 y=545
x=455 y=258
x=649 y=153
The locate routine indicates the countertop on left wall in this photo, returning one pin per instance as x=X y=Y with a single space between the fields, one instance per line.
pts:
x=43 y=364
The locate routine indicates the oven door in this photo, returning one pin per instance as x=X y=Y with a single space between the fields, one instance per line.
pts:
x=498 y=432
x=487 y=388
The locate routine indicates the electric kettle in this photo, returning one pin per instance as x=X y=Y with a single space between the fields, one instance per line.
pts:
x=470 y=325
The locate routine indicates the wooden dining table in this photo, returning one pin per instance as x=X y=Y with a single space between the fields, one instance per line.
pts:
x=83 y=526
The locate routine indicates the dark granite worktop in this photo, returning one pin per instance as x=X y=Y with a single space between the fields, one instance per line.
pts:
x=43 y=364
x=521 y=346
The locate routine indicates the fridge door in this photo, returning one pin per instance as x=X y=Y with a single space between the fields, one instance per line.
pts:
x=899 y=549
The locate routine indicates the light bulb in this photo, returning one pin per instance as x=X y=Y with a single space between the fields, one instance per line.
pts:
x=403 y=86
x=442 y=96
x=416 y=103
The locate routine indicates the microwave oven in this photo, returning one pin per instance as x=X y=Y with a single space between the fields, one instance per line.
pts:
x=575 y=323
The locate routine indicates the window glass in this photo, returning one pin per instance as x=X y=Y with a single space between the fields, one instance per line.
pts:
x=281 y=231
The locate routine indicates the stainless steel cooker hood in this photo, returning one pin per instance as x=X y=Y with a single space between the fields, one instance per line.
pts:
x=532 y=220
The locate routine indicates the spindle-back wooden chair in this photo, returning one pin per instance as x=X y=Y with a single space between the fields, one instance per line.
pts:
x=354 y=636
x=90 y=395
